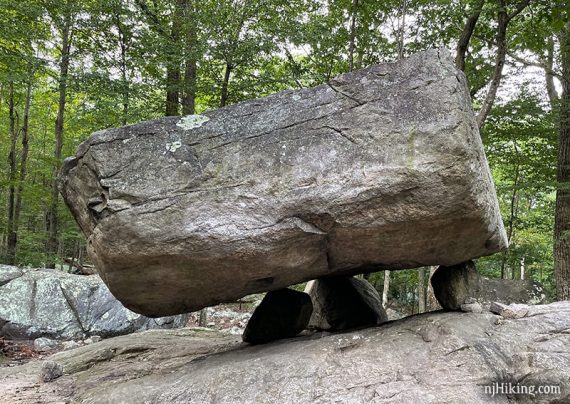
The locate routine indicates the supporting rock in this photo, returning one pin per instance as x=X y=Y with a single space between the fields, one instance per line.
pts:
x=460 y=287
x=282 y=313
x=453 y=285
x=342 y=303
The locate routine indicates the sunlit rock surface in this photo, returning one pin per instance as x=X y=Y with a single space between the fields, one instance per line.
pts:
x=382 y=168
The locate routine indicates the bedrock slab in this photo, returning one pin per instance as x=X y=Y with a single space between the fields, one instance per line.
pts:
x=433 y=358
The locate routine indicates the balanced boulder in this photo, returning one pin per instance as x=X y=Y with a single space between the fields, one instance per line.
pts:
x=342 y=303
x=381 y=168
x=282 y=313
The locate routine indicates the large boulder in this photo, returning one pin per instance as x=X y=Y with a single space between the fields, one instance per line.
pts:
x=458 y=284
x=341 y=303
x=438 y=357
x=381 y=168
x=54 y=304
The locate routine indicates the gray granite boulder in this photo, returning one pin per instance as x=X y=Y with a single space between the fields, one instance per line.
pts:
x=381 y=168
x=54 y=304
x=461 y=285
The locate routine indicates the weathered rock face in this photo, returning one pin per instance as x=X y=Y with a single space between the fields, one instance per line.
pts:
x=382 y=168
x=49 y=303
x=453 y=286
x=282 y=313
x=341 y=303
x=439 y=357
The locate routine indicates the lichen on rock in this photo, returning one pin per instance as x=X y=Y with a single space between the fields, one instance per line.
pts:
x=192 y=121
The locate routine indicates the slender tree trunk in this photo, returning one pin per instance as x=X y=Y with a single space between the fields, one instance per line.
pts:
x=173 y=61
x=404 y=10
x=23 y=159
x=501 y=39
x=549 y=77
x=512 y=217
x=421 y=290
x=225 y=84
x=503 y=19
x=203 y=320
x=190 y=76
x=11 y=236
x=386 y=289
x=465 y=38
x=562 y=214
x=53 y=219
x=123 y=44
x=3 y=232
x=172 y=89
x=522 y=274
x=190 y=62
x=172 y=51
x=352 y=43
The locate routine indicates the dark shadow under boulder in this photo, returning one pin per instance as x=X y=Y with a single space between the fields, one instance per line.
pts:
x=342 y=303
x=282 y=313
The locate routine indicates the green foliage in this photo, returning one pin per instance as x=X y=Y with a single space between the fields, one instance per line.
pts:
x=520 y=141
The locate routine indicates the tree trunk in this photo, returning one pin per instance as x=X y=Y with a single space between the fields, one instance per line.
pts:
x=225 y=83
x=421 y=290
x=512 y=218
x=23 y=159
x=352 y=43
x=11 y=236
x=386 y=289
x=404 y=10
x=190 y=75
x=190 y=62
x=501 y=39
x=125 y=87
x=465 y=38
x=53 y=220
x=562 y=214
x=203 y=321
x=172 y=89
x=549 y=77
x=503 y=19
x=173 y=61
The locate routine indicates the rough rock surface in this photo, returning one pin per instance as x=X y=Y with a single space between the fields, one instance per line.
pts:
x=459 y=284
x=341 y=303
x=438 y=357
x=509 y=311
x=50 y=371
x=45 y=344
x=382 y=168
x=282 y=313
x=54 y=304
